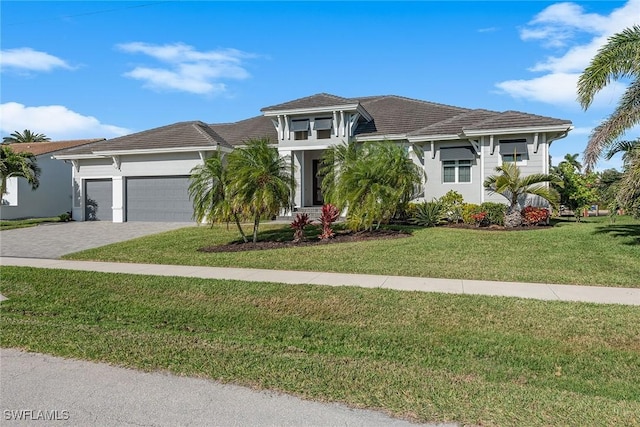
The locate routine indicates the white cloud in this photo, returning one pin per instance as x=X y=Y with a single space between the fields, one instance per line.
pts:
x=55 y=121
x=25 y=58
x=187 y=69
x=557 y=26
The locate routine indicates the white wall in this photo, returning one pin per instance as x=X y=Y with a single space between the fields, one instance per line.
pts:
x=52 y=198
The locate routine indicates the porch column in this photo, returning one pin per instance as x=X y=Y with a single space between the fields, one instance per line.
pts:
x=298 y=162
x=118 y=198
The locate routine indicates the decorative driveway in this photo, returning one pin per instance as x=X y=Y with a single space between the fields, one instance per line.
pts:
x=56 y=239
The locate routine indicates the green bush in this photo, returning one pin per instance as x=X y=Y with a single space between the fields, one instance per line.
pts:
x=452 y=203
x=429 y=214
x=495 y=212
x=469 y=209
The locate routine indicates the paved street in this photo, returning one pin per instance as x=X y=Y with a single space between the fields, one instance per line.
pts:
x=56 y=239
x=87 y=394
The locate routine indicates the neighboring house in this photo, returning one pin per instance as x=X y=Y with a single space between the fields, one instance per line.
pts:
x=145 y=176
x=53 y=196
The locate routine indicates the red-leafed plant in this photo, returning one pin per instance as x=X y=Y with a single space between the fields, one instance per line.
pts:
x=298 y=225
x=480 y=219
x=534 y=216
x=328 y=216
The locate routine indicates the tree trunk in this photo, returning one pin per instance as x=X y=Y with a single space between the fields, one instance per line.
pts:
x=513 y=217
x=256 y=224
x=244 y=237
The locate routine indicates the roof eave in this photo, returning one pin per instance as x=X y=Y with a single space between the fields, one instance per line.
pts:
x=428 y=138
x=160 y=150
x=565 y=127
x=313 y=110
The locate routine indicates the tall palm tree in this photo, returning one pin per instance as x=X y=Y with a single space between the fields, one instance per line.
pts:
x=210 y=195
x=372 y=181
x=25 y=136
x=22 y=165
x=515 y=188
x=572 y=159
x=260 y=181
x=619 y=58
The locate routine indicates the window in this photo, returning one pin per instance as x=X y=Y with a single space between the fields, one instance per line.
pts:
x=324 y=134
x=322 y=126
x=301 y=134
x=514 y=150
x=300 y=129
x=456 y=171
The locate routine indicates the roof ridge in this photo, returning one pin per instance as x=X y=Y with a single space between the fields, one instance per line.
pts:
x=420 y=101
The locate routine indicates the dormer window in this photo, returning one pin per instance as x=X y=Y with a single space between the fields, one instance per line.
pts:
x=300 y=129
x=322 y=126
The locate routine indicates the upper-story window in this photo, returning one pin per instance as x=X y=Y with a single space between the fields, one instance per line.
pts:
x=456 y=164
x=514 y=150
x=300 y=129
x=322 y=126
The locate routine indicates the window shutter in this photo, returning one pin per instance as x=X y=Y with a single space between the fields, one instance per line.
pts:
x=457 y=153
x=299 y=125
x=509 y=147
x=322 y=124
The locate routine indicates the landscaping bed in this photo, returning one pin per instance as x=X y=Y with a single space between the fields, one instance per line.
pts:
x=339 y=237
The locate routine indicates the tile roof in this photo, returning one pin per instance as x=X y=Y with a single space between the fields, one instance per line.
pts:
x=314 y=101
x=177 y=135
x=39 y=148
x=239 y=132
x=515 y=119
x=392 y=115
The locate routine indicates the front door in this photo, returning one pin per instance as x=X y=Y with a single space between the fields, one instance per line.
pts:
x=317 y=182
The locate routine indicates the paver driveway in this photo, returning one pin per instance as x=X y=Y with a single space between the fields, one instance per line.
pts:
x=57 y=239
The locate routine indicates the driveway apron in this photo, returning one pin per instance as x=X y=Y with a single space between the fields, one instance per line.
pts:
x=56 y=239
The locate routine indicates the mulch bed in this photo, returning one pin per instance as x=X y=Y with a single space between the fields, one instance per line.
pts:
x=340 y=237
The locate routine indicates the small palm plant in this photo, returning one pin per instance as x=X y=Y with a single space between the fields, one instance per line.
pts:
x=513 y=187
x=298 y=225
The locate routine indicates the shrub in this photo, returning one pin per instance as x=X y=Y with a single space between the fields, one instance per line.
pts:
x=429 y=214
x=469 y=209
x=495 y=212
x=481 y=219
x=411 y=210
x=65 y=217
x=452 y=206
x=328 y=216
x=298 y=224
x=534 y=216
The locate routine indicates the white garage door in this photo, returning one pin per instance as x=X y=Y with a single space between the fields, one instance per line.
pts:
x=162 y=199
x=98 y=200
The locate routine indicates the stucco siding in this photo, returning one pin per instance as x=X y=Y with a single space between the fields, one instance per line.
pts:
x=52 y=198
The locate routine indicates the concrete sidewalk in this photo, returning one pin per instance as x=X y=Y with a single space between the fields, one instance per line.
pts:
x=594 y=294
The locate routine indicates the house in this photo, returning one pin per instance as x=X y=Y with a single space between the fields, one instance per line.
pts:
x=145 y=176
x=53 y=196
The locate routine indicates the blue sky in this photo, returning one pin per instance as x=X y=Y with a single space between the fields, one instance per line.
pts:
x=104 y=69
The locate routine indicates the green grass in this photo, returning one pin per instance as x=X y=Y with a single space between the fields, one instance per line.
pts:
x=593 y=252
x=426 y=357
x=10 y=224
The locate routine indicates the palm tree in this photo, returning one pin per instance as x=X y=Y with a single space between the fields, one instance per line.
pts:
x=25 y=136
x=619 y=58
x=514 y=188
x=208 y=190
x=260 y=181
x=23 y=165
x=628 y=193
x=572 y=159
x=372 y=181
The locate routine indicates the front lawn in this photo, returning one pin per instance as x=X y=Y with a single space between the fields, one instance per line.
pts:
x=10 y=224
x=427 y=357
x=593 y=252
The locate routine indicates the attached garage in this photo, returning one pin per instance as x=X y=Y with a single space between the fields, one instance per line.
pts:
x=159 y=199
x=98 y=200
